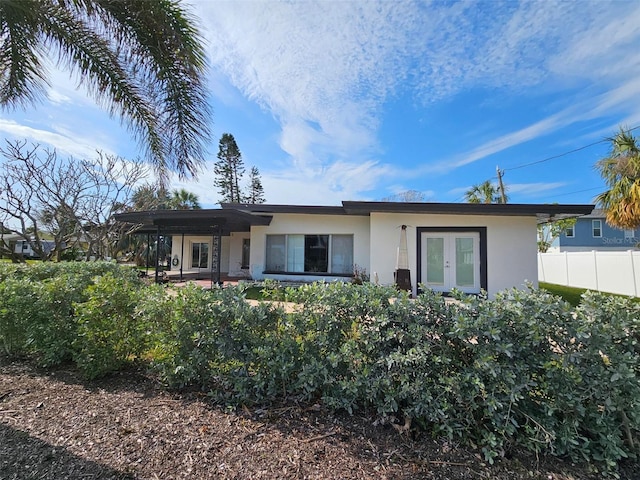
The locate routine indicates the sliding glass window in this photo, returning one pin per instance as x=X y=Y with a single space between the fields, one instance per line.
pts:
x=331 y=254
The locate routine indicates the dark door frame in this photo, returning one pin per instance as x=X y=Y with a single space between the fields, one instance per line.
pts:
x=482 y=231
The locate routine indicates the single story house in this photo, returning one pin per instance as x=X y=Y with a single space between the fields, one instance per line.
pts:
x=591 y=232
x=469 y=247
x=23 y=248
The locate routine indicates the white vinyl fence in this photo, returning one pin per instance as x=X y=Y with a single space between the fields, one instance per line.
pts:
x=614 y=272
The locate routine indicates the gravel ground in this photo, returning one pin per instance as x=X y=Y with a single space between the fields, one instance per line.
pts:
x=55 y=425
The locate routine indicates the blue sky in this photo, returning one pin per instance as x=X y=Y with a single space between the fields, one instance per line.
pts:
x=339 y=100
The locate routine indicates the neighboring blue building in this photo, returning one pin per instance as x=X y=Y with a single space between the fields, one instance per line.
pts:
x=591 y=232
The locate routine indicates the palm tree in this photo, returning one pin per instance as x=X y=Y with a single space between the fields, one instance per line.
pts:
x=183 y=200
x=148 y=197
x=143 y=60
x=486 y=192
x=621 y=172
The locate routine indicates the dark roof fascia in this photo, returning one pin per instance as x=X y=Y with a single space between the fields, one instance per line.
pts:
x=211 y=216
x=272 y=208
x=544 y=212
x=204 y=221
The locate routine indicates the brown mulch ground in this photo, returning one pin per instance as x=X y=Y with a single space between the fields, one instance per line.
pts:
x=54 y=425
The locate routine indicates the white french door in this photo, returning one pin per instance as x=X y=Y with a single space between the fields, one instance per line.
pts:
x=199 y=255
x=451 y=260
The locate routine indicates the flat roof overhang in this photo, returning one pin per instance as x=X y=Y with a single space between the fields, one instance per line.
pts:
x=205 y=221
x=263 y=208
x=543 y=212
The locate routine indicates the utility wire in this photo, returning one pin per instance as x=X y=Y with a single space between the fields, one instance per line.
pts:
x=553 y=157
x=565 y=153
x=578 y=191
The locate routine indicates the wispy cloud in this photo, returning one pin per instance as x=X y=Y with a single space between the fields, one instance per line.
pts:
x=70 y=144
x=324 y=186
x=537 y=189
x=325 y=72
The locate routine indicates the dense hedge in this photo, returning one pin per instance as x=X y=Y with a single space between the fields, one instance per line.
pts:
x=524 y=369
x=85 y=312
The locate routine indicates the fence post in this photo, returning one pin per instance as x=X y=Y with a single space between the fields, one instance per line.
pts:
x=541 y=267
x=566 y=268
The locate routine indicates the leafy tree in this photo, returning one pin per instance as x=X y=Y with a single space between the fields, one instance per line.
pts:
x=144 y=60
x=256 y=191
x=486 y=192
x=621 y=172
x=547 y=232
x=406 y=196
x=229 y=170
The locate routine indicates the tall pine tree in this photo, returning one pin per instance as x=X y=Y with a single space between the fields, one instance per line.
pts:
x=256 y=191
x=229 y=169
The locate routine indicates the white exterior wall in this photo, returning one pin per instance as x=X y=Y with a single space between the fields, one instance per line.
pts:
x=235 y=254
x=176 y=251
x=292 y=223
x=511 y=246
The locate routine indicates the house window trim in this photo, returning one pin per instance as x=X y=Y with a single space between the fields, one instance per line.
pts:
x=329 y=255
x=593 y=228
x=209 y=257
x=571 y=229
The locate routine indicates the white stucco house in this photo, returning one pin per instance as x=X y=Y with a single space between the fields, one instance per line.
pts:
x=469 y=247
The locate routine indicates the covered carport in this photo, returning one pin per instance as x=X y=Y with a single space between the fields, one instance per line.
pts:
x=210 y=222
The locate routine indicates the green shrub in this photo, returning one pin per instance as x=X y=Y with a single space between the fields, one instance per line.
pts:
x=17 y=296
x=524 y=369
x=51 y=327
x=110 y=331
x=37 y=314
x=214 y=338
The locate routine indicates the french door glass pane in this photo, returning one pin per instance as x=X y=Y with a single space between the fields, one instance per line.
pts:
x=295 y=253
x=246 y=249
x=195 y=255
x=199 y=255
x=435 y=261
x=204 y=255
x=342 y=254
x=464 y=262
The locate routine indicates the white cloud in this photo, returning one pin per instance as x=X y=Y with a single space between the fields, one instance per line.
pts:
x=323 y=186
x=325 y=73
x=70 y=144
x=326 y=70
x=603 y=48
x=534 y=189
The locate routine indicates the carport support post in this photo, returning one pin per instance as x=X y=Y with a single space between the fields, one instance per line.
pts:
x=216 y=244
x=148 y=248
x=218 y=260
x=157 y=252
x=181 y=255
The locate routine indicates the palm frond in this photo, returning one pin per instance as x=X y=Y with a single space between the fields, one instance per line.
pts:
x=143 y=60
x=621 y=172
x=22 y=75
